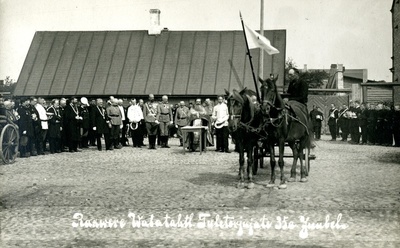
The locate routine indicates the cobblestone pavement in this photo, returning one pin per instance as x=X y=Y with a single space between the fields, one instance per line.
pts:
x=66 y=200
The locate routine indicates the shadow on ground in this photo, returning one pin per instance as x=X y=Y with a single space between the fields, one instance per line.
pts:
x=389 y=157
x=223 y=179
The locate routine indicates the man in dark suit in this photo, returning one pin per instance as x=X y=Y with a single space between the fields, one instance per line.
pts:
x=297 y=99
x=55 y=122
x=332 y=121
x=72 y=123
x=99 y=122
x=317 y=117
x=26 y=130
x=363 y=122
x=355 y=112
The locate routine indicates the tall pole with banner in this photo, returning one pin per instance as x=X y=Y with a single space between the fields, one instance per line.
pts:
x=251 y=63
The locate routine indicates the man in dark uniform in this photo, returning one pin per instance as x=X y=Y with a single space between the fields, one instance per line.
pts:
x=181 y=120
x=142 y=125
x=317 y=117
x=298 y=98
x=164 y=116
x=115 y=116
x=152 y=123
x=343 y=122
x=100 y=125
x=63 y=104
x=371 y=124
x=26 y=130
x=91 y=132
x=396 y=125
x=363 y=122
x=55 y=121
x=84 y=110
x=387 y=123
x=380 y=128
x=354 y=122
x=73 y=121
x=332 y=121
x=38 y=149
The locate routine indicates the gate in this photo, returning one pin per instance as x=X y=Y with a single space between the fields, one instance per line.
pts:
x=324 y=102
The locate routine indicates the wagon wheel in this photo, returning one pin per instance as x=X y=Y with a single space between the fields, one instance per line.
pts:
x=255 y=160
x=261 y=157
x=9 y=143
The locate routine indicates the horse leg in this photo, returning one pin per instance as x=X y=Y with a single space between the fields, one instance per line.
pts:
x=250 y=161
x=293 y=146
x=282 y=164
x=272 y=163
x=303 y=168
x=241 y=167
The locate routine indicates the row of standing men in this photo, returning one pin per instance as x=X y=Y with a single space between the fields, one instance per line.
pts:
x=366 y=123
x=69 y=124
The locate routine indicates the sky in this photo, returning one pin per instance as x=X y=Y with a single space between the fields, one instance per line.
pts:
x=355 y=33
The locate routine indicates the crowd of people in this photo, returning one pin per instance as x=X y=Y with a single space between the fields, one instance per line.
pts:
x=365 y=123
x=70 y=125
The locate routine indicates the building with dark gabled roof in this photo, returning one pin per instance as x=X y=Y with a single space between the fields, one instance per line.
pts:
x=133 y=63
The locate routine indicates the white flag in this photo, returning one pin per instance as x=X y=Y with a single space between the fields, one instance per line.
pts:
x=256 y=40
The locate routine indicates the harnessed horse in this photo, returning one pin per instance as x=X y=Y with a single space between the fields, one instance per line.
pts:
x=243 y=122
x=283 y=126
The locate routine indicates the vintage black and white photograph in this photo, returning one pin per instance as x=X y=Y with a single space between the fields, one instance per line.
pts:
x=199 y=123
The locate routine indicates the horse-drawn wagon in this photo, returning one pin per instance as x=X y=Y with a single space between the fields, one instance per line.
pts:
x=9 y=139
x=258 y=128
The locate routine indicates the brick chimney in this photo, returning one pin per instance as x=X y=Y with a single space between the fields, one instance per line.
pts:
x=305 y=68
x=155 y=28
x=340 y=81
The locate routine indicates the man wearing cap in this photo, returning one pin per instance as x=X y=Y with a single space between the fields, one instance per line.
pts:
x=181 y=120
x=164 y=116
x=298 y=98
x=150 y=117
x=114 y=113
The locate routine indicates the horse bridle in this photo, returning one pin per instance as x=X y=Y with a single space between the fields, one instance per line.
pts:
x=233 y=116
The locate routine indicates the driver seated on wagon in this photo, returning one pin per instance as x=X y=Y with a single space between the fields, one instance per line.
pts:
x=297 y=97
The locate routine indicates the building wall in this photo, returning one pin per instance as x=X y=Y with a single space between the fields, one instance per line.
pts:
x=396 y=95
x=396 y=40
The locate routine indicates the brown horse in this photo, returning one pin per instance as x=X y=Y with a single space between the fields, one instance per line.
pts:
x=283 y=125
x=243 y=124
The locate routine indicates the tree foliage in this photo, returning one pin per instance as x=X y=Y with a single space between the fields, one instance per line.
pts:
x=314 y=78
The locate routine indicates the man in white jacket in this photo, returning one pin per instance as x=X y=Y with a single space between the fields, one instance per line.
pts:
x=220 y=116
x=43 y=124
x=135 y=116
